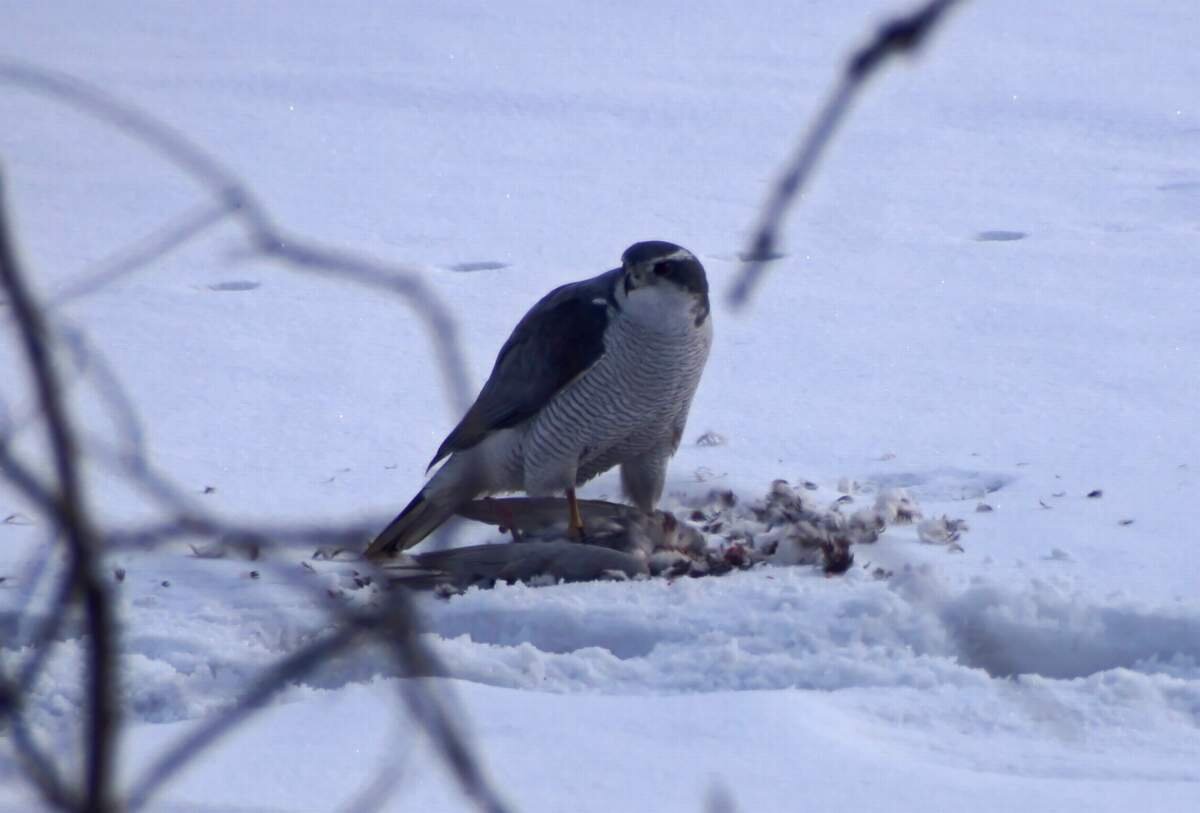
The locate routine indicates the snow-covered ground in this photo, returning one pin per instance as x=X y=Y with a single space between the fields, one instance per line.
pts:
x=989 y=295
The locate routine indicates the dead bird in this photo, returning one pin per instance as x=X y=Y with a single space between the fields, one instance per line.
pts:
x=620 y=541
x=457 y=569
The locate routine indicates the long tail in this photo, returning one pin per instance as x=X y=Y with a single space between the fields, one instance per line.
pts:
x=434 y=504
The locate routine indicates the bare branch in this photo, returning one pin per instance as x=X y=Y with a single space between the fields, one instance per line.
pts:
x=48 y=623
x=375 y=793
x=42 y=641
x=38 y=765
x=392 y=625
x=899 y=35
x=203 y=168
x=395 y=627
x=95 y=366
x=76 y=525
x=279 y=676
x=187 y=517
x=28 y=482
x=310 y=257
x=152 y=247
x=433 y=715
x=234 y=198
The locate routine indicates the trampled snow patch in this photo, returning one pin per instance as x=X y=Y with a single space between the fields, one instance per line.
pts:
x=771 y=627
x=798 y=629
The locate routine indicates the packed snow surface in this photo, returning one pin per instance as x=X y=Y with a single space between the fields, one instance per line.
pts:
x=987 y=299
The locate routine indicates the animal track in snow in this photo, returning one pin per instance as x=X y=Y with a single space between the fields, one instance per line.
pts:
x=480 y=265
x=1000 y=236
x=1180 y=186
x=235 y=285
x=1047 y=632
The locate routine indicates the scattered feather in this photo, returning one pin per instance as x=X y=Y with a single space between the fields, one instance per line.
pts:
x=722 y=533
x=233 y=546
x=711 y=438
x=941 y=530
x=214 y=550
x=897 y=507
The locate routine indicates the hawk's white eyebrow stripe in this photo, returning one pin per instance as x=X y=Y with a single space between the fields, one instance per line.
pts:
x=599 y=301
x=682 y=254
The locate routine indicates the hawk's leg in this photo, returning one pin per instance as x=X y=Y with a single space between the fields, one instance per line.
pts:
x=575 y=523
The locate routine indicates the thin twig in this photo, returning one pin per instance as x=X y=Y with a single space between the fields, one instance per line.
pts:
x=186 y=517
x=76 y=525
x=277 y=677
x=433 y=715
x=152 y=247
x=899 y=35
x=234 y=198
x=94 y=366
x=375 y=793
x=41 y=640
x=39 y=767
x=393 y=626
x=29 y=579
x=27 y=482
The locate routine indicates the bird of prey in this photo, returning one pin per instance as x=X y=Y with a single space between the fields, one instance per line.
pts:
x=598 y=373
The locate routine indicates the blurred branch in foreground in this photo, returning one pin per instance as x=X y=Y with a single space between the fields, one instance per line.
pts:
x=232 y=198
x=899 y=35
x=83 y=580
x=82 y=584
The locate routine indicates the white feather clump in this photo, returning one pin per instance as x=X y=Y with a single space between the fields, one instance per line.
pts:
x=897 y=507
x=941 y=530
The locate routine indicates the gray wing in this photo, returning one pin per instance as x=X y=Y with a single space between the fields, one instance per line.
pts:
x=557 y=340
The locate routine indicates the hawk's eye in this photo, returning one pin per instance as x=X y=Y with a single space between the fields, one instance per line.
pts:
x=662 y=268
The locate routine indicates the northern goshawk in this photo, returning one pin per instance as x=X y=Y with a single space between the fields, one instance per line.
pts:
x=599 y=373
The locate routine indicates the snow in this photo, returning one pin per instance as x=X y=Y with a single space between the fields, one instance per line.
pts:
x=988 y=296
